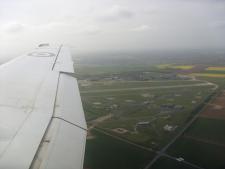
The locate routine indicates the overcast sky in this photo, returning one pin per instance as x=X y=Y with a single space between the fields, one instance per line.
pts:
x=101 y=25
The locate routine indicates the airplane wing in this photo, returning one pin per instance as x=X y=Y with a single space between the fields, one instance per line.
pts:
x=42 y=123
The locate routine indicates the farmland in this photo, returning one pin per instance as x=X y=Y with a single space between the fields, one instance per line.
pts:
x=172 y=66
x=216 y=75
x=214 y=130
x=216 y=68
x=200 y=153
x=145 y=105
x=107 y=153
x=216 y=109
x=206 y=135
x=164 y=162
x=141 y=111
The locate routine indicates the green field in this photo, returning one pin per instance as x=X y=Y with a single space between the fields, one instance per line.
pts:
x=215 y=71
x=97 y=69
x=105 y=152
x=209 y=129
x=211 y=75
x=164 y=162
x=202 y=154
x=219 y=81
x=202 y=144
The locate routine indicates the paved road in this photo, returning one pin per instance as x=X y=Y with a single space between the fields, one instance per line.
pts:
x=185 y=162
x=146 y=88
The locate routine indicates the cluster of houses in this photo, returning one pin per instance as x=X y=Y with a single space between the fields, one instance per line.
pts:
x=147 y=124
x=170 y=107
x=169 y=128
x=138 y=75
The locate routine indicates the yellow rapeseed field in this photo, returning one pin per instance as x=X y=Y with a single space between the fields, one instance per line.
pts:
x=216 y=68
x=183 y=67
x=171 y=66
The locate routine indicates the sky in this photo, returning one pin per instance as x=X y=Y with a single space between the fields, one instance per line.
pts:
x=111 y=25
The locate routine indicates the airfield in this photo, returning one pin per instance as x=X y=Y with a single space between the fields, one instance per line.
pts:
x=154 y=119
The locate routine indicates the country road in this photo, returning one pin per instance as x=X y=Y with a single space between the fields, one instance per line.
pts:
x=185 y=162
x=163 y=150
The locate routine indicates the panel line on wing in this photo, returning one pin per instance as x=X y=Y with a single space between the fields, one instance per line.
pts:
x=57 y=57
x=70 y=123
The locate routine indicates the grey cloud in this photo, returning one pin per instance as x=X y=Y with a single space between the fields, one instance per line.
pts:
x=92 y=30
x=130 y=24
x=13 y=27
x=218 y=24
x=117 y=12
x=141 y=28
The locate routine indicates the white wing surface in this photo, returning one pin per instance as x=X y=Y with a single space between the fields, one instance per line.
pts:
x=42 y=124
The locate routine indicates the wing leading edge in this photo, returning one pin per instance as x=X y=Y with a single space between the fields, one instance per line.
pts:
x=42 y=119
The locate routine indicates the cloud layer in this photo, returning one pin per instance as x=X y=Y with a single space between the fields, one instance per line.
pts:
x=95 y=25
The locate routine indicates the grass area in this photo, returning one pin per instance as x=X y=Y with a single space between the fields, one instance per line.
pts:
x=90 y=85
x=202 y=154
x=92 y=69
x=219 y=81
x=209 y=129
x=105 y=152
x=129 y=108
x=164 y=162
x=140 y=102
x=214 y=75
